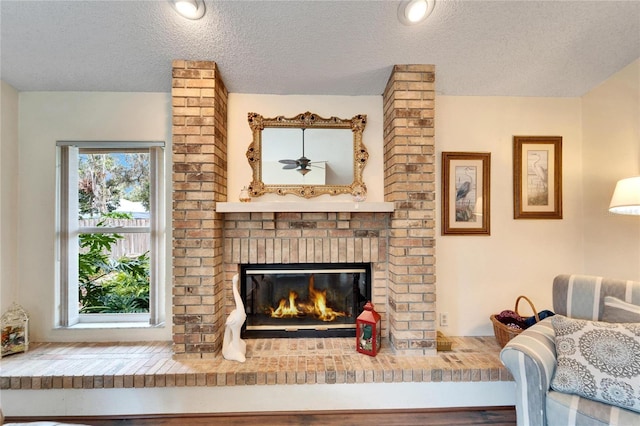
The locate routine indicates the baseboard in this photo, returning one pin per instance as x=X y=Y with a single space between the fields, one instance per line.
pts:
x=264 y=416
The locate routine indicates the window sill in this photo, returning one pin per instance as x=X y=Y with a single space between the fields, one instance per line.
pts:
x=111 y=325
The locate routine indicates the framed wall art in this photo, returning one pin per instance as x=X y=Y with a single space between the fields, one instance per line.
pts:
x=465 y=193
x=537 y=177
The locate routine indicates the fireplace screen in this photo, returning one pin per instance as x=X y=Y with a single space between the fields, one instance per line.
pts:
x=304 y=300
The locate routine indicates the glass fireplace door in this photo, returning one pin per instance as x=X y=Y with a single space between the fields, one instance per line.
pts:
x=304 y=300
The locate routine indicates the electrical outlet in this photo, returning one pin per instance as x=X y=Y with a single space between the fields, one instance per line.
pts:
x=444 y=319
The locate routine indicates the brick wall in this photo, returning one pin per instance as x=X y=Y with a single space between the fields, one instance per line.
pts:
x=409 y=163
x=199 y=180
x=271 y=238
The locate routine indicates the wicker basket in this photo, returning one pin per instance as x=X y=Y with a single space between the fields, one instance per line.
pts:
x=505 y=333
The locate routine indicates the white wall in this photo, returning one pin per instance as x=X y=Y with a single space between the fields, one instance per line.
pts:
x=8 y=196
x=47 y=117
x=611 y=146
x=239 y=136
x=477 y=276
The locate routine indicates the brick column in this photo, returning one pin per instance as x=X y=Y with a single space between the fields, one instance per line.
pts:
x=199 y=100
x=409 y=156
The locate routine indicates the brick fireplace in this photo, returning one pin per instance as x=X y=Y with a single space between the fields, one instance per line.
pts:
x=208 y=246
x=310 y=238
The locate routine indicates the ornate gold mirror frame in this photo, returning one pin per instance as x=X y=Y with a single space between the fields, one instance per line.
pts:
x=307 y=120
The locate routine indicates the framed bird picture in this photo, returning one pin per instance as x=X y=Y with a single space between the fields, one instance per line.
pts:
x=466 y=193
x=537 y=177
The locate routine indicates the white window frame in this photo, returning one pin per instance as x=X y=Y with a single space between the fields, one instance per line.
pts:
x=69 y=230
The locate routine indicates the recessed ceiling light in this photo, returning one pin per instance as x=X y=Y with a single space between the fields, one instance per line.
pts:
x=411 y=12
x=190 y=9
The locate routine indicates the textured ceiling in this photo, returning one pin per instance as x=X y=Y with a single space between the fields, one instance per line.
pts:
x=505 y=48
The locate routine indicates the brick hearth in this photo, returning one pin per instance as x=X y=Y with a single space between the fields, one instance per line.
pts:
x=269 y=362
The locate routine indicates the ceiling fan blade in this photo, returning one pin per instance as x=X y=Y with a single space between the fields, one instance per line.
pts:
x=288 y=161
x=289 y=166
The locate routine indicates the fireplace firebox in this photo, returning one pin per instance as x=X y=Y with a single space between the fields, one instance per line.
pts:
x=304 y=300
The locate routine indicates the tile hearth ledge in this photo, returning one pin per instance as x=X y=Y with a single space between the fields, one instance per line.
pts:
x=293 y=206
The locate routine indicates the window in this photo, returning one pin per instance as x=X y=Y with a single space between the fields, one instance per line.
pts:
x=110 y=198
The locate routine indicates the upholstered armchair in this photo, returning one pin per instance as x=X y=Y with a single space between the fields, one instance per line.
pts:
x=547 y=391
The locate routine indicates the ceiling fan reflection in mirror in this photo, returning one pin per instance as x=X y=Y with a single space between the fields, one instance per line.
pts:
x=302 y=164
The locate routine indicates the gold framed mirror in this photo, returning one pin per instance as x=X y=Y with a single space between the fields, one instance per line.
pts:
x=307 y=155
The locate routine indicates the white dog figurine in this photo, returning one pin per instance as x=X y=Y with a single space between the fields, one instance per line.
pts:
x=233 y=347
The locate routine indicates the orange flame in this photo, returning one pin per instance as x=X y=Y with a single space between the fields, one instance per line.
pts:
x=287 y=308
x=316 y=307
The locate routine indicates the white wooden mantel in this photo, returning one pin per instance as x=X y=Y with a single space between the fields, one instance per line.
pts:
x=292 y=206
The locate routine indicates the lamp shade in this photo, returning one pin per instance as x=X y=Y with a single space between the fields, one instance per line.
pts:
x=626 y=197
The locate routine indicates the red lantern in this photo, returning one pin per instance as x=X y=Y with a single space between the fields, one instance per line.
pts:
x=368 y=331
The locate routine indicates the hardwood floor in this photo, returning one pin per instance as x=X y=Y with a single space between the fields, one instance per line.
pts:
x=503 y=416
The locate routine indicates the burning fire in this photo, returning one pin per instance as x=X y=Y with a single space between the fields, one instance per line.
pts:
x=316 y=306
x=287 y=308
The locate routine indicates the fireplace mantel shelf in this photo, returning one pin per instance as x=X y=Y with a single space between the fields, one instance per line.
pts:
x=285 y=206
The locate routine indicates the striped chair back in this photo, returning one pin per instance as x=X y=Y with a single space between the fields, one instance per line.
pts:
x=582 y=296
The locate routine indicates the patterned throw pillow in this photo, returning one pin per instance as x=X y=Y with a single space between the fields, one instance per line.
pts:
x=598 y=360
